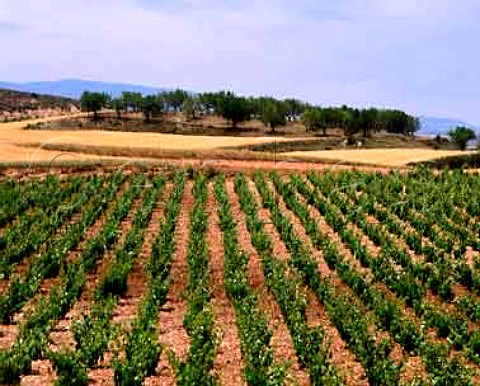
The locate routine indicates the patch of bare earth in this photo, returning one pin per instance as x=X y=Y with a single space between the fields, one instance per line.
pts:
x=42 y=374
x=173 y=336
x=471 y=256
x=281 y=342
x=228 y=361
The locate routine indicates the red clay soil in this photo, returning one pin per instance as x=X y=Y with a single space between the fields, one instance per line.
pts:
x=42 y=374
x=173 y=336
x=281 y=341
x=228 y=363
x=471 y=256
x=228 y=165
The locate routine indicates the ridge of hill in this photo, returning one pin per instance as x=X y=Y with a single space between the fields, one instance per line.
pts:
x=73 y=88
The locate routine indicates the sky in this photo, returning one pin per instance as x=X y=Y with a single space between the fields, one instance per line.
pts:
x=422 y=56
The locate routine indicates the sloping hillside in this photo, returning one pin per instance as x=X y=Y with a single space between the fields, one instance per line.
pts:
x=73 y=88
x=17 y=104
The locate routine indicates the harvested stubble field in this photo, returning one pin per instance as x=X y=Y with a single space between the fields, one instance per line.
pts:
x=263 y=279
x=18 y=144
x=382 y=157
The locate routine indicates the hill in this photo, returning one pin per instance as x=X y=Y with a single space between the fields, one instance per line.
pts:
x=73 y=88
x=19 y=104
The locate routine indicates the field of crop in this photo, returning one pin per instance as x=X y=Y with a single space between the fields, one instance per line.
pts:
x=384 y=157
x=190 y=278
x=21 y=145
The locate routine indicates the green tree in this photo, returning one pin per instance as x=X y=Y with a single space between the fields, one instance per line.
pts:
x=93 y=102
x=367 y=121
x=314 y=119
x=396 y=121
x=209 y=101
x=273 y=114
x=175 y=98
x=461 y=136
x=294 y=108
x=190 y=107
x=233 y=108
x=132 y=101
x=117 y=104
x=151 y=105
x=352 y=123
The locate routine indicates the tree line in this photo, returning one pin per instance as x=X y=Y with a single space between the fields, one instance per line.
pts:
x=272 y=112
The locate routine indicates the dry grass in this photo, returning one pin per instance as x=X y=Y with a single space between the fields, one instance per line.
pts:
x=385 y=157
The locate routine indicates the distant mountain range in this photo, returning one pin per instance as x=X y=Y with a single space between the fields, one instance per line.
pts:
x=73 y=88
x=435 y=125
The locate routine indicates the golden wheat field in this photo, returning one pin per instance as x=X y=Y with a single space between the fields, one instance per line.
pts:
x=18 y=144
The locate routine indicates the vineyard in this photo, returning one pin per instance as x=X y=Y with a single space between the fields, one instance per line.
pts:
x=199 y=278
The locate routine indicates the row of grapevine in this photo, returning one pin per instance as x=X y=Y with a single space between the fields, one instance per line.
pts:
x=310 y=343
x=33 y=230
x=17 y=198
x=388 y=312
x=439 y=276
x=396 y=286
x=252 y=323
x=424 y=214
x=199 y=318
x=48 y=264
x=94 y=331
x=458 y=270
x=404 y=284
x=32 y=340
x=141 y=347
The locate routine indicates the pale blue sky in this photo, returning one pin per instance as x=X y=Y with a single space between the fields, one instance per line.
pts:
x=422 y=56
